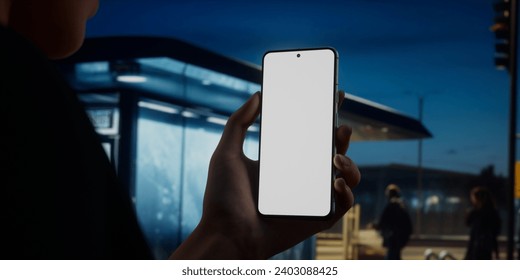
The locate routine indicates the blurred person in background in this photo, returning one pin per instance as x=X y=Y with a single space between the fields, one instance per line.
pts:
x=484 y=223
x=394 y=224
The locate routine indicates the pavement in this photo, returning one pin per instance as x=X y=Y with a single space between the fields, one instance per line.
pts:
x=369 y=247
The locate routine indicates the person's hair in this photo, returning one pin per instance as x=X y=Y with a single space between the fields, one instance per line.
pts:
x=482 y=197
x=393 y=191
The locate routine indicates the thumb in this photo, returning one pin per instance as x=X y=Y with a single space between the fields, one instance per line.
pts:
x=236 y=127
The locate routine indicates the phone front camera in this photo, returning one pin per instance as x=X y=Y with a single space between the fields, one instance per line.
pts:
x=298 y=55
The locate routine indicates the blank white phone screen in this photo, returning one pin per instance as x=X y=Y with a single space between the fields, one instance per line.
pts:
x=297 y=130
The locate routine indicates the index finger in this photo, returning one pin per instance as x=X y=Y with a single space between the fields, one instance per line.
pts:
x=232 y=140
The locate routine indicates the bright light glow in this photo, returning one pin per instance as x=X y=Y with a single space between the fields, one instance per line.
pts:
x=414 y=202
x=188 y=114
x=157 y=107
x=384 y=129
x=253 y=128
x=216 y=120
x=131 y=79
x=453 y=199
x=254 y=88
x=432 y=200
x=92 y=67
x=215 y=78
x=163 y=63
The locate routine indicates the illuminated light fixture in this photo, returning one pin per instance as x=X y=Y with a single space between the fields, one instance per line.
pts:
x=216 y=120
x=188 y=114
x=131 y=79
x=384 y=129
x=92 y=67
x=157 y=107
x=253 y=128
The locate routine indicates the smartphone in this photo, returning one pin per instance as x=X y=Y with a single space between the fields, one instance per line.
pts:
x=297 y=125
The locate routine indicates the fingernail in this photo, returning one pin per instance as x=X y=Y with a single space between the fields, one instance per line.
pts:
x=341 y=182
x=341 y=161
x=337 y=161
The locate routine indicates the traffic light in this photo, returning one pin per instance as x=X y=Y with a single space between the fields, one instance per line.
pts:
x=502 y=30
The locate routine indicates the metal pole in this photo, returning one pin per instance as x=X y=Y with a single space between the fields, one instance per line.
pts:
x=512 y=132
x=419 y=175
x=128 y=112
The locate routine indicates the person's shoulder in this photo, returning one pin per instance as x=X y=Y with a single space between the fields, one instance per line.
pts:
x=26 y=72
x=15 y=45
x=397 y=203
x=19 y=57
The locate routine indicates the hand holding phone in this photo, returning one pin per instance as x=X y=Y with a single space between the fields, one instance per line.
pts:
x=230 y=227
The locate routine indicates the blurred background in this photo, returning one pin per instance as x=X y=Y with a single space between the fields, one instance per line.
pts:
x=429 y=108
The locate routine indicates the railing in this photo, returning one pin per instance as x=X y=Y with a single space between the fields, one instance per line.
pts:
x=350 y=233
x=343 y=240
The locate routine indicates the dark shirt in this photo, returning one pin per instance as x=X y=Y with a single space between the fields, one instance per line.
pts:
x=395 y=224
x=484 y=226
x=60 y=198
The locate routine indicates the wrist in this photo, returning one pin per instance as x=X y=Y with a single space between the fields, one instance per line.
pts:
x=217 y=241
x=237 y=240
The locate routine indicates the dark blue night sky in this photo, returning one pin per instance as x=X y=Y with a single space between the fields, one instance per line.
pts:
x=391 y=52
